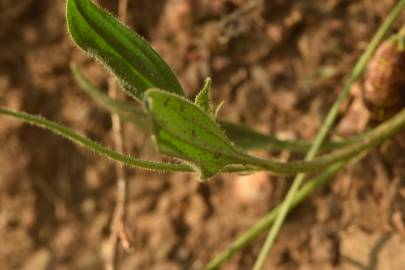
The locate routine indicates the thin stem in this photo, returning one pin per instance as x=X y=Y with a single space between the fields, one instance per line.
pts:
x=374 y=137
x=96 y=147
x=268 y=219
x=328 y=123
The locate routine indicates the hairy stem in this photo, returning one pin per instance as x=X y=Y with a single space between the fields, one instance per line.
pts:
x=377 y=135
x=91 y=145
x=373 y=138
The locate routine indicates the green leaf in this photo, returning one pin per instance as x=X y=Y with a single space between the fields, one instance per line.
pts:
x=242 y=136
x=130 y=58
x=185 y=131
x=203 y=100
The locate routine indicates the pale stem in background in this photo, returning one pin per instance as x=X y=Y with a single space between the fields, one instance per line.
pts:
x=118 y=225
x=356 y=72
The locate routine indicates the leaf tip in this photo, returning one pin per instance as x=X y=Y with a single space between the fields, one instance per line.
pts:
x=203 y=99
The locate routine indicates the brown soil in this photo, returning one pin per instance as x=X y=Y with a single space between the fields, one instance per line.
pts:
x=278 y=68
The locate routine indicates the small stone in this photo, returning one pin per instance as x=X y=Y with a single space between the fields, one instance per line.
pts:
x=40 y=260
x=253 y=188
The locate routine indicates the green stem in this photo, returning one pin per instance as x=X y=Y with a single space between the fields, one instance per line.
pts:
x=330 y=118
x=267 y=220
x=249 y=163
x=96 y=147
x=374 y=137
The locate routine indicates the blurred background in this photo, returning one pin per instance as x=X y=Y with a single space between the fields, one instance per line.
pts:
x=278 y=65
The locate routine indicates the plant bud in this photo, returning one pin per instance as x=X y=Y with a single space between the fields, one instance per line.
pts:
x=384 y=85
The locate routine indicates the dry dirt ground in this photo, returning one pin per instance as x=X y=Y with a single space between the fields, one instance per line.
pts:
x=278 y=68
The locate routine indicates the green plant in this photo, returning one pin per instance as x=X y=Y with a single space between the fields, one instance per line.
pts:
x=189 y=130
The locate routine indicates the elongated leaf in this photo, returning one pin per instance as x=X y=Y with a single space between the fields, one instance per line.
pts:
x=184 y=130
x=136 y=65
